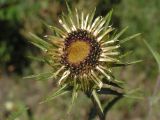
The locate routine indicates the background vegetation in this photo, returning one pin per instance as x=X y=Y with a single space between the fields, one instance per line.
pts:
x=19 y=17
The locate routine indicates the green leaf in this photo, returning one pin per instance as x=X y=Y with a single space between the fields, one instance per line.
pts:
x=154 y=53
x=120 y=33
x=119 y=81
x=133 y=94
x=54 y=29
x=111 y=83
x=40 y=77
x=68 y=8
x=74 y=96
x=49 y=61
x=57 y=30
x=95 y=96
x=133 y=97
x=129 y=38
x=125 y=54
x=108 y=18
x=36 y=58
x=124 y=64
x=61 y=91
x=91 y=17
x=52 y=37
x=40 y=43
x=133 y=90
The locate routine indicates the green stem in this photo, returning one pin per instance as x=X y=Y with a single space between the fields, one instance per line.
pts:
x=111 y=104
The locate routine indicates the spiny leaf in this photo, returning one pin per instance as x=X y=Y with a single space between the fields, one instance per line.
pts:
x=119 y=81
x=39 y=46
x=133 y=90
x=129 y=38
x=95 y=96
x=57 y=30
x=132 y=94
x=68 y=8
x=48 y=61
x=134 y=62
x=39 y=42
x=54 y=29
x=54 y=40
x=125 y=54
x=155 y=54
x=125 y=64
x=67 y=20
x=111 y=83
x=61 y=91
x=36 y=58
x=52 y=37
x=108 y=18
x=91 y=17
x=120 y=33
x=74 y=96
x=49 y=98
x=41 y=76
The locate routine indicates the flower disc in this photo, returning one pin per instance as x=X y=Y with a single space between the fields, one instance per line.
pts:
x=77 y=52
x=81 y=52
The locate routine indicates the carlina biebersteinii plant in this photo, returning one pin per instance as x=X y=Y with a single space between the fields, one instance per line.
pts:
x=82 y=54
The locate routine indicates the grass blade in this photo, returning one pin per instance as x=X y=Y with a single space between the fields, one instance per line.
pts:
x=155 y=54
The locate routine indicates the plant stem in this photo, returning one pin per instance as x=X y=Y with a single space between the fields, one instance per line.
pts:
x=111 y=104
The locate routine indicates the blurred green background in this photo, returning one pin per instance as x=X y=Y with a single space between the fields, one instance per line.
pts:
x=19 y=17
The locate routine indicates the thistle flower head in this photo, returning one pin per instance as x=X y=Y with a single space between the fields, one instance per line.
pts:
x=82 y=52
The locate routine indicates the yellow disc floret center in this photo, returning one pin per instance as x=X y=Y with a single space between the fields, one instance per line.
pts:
x=78 y=51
